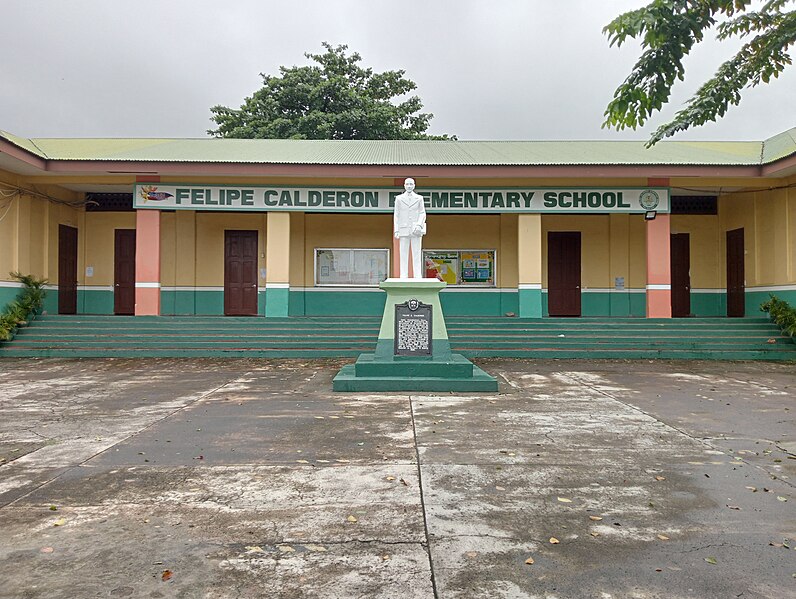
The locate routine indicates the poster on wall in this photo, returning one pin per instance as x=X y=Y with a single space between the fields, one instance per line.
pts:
x=462 y=267
x=478 y=268
x=443 y=266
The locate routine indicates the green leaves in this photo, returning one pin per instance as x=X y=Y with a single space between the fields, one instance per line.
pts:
x=17 y=311
x=334 y=99
x=781 y=313
x=668 y=30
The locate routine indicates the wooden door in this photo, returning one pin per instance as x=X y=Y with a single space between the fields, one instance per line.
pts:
x=67 y=270
x=736 y=284
x=563 y=273
x=240 y=273
x=681 y=274
x=124 y=272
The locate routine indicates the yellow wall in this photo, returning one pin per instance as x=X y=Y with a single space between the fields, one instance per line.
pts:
x=209 y=244
x=193 y=242
x=445 y=232
x=703 y=231
x=99 y=245
x=333 y=231
x=29 y=226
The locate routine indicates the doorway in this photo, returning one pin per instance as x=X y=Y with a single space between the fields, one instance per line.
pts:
x=563 y=273
x=124 y=272
x=681 y=274
x=736 y=305
x=240 y=273
x=67 y=270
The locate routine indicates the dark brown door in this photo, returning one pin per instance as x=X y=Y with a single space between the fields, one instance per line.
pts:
x=563 y=273
x=124 y=272
x=67 y=270
x=681 y=274
x=240 y=273
x=736 y=305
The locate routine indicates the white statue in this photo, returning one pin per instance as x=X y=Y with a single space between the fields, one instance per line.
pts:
x=409 y=226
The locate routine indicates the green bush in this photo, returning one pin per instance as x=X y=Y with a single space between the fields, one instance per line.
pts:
x=27 y=304
x=781 y=313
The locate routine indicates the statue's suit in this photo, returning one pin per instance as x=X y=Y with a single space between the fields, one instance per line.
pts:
x=409 y=226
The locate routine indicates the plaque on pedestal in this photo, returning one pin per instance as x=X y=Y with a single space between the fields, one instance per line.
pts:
x=413 y=329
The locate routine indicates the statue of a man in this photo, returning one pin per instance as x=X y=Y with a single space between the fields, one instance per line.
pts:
x=409 y=226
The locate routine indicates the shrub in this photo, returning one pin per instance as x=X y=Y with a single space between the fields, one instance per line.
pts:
x=29 y=301
x=781 y=313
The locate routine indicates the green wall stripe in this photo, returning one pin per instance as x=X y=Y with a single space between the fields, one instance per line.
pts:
x=277 y=302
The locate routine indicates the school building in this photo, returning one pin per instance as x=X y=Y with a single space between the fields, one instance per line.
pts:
x=279 y=228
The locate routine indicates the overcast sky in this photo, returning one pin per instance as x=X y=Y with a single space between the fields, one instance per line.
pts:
x=505 y=69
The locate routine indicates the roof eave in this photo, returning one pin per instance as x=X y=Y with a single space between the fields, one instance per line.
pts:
x=19 y=153
x=392 y=170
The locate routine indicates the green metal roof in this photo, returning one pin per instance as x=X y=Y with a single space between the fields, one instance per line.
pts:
x=431 y=153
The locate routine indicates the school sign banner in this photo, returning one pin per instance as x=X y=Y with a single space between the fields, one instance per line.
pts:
x=373 y=200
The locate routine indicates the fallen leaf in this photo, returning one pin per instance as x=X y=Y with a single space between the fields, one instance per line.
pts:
x=711 y=560
x=564 y=500
x=254 y=549
x=471 y=554
x=781 y=498
x=167 y=574
x=554 y=541
x=351 y=519
x=385 y=558
x=595 y=518
x=46 y=549
x=529 y=561
x=663 y=537
x=733 y=507
x=752 y=489
x=658 y=570
x=59 y=522
x=53 y=508
x=404 y=483
x=595 y=534
x=500 y=488
x=390 y=478
x=660 y=478
x=771 y=341
x=317 y=548
x=286 y=549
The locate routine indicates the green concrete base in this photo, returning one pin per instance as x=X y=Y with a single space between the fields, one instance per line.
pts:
x=384 y=371
x=454 y=366
x=480 y=382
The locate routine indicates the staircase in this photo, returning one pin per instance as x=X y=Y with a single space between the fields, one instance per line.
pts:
x=89 y=336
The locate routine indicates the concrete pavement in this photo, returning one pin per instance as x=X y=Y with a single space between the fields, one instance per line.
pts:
x=250 y=478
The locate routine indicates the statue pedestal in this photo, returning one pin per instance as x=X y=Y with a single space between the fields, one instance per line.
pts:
x=420 y=358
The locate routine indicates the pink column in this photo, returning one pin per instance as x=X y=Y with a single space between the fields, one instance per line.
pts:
x=147 y=262
x=659 y=268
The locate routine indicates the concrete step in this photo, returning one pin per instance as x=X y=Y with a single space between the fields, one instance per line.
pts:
x=219 y=336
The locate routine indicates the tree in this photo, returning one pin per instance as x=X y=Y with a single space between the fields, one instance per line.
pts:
x=669 y=29
x=333 y=99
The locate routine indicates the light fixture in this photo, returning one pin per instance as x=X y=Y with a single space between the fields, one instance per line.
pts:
x=650 y=214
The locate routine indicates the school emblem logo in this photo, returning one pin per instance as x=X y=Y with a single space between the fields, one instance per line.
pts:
x=150 y=193
x=413 y=304
x=649 y=199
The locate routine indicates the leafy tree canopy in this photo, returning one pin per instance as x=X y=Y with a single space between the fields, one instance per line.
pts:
x=669 y=29
x=333 y=99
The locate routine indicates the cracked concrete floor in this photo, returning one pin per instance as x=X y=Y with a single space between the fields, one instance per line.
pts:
x=237 y=479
